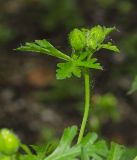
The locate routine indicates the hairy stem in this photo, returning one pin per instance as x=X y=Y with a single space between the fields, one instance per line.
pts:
x=87 y=105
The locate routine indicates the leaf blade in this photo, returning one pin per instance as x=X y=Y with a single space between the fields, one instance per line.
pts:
x=90 y=64
x=110 y=46
x=66 y=70
x=116 y=152
x=43 y=46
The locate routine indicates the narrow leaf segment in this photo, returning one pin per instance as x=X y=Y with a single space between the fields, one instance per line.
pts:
x=43 y=46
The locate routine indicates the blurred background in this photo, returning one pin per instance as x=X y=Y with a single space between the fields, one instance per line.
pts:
x=37 y=106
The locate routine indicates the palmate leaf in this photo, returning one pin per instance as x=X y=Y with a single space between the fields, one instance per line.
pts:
x=43 y=46
x=91 y=63
x=68 y=69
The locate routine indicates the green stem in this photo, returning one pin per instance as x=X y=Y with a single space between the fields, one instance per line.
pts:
x=87 y=105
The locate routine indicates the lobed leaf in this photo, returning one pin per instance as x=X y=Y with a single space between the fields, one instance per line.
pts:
x=43 y=46
x=115 y=152
x=129 y=154
x=63 y=151
x=110 y=46
x=90 y=64
x=108 y=30
x=89 y=148
x=84 y=155
x=42 y=150
x=66 y=70
x=100 y=148
x=86 y=149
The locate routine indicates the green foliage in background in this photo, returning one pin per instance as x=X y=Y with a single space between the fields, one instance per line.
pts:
x=123 y=7
x=56 y=93
x=129 y=48
x=48 y=135
x=5 y=34
x=57 y=12
x=105 y=108
x=133 y=86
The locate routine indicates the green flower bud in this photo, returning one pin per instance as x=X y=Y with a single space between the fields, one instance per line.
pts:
x=96 y=37
x=9 y=142
x=77 y=39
